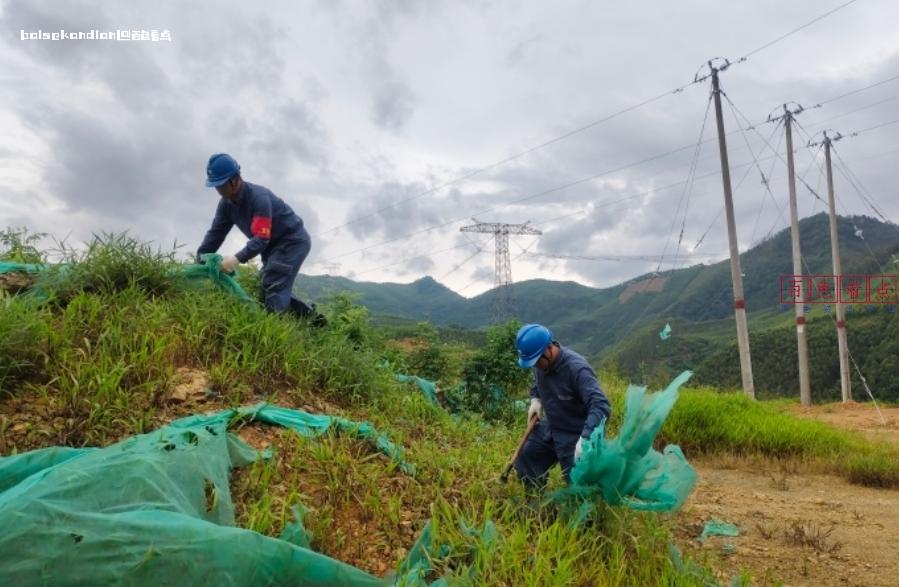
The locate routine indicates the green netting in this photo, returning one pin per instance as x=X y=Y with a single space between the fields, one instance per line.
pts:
x=428 y=388
x=212 y=271
x=458 y=398
x=156 y=509
x=417 y=566
x=627 y=470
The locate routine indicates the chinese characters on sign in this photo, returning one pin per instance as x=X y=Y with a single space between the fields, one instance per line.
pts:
x=871 y=290
x=839 y=289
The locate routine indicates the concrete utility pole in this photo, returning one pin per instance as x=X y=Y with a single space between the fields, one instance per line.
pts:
x=735 y=270
x=842 y=342
x=503 y=278
x=805 y=390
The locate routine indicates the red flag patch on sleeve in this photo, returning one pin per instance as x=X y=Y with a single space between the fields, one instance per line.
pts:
x=261 y=226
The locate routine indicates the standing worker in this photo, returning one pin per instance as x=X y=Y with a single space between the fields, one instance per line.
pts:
x=567 y=399
x=276 y=233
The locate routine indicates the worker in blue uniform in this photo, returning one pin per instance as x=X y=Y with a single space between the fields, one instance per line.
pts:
x=274 y=231
x=567 y=399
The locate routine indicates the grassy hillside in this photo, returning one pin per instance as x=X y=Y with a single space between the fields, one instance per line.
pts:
x=107 y=355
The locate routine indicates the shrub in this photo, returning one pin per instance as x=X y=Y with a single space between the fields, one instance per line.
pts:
x=428 y=360
x=492 y=378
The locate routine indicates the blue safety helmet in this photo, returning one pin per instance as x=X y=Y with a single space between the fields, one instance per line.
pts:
x=531 y=341
x=221 y=168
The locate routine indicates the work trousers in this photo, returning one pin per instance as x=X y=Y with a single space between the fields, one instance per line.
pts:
x=280 y=267
x=544 y=448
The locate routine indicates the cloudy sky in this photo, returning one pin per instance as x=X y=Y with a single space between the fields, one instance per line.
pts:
x=389 y=125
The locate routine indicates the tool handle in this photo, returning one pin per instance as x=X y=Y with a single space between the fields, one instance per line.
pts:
x=524 y=437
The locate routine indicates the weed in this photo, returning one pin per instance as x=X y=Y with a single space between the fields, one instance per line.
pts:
x=780 y=481
x=812 y=536
x=18 y=245
x=767 y=531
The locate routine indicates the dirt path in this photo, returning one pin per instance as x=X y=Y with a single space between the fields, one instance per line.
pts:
x=800 y=528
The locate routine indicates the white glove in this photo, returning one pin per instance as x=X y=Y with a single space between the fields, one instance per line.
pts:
x=535 y=408
x=579 y=449
x=229 y=264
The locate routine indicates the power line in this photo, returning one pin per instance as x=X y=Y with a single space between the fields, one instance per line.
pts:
x=845 y=209
x=663 y=258
x=516 y=201
x=410 y=258
x=850 y=112
x=625 y=258
x=797 y=29
x=583 y=180
x=858 y=186
x=688 y=187
x=559 y=188
x=568 y=215
x=856 y=91
x=459 y=266
x=858 y=132
x=514 y=157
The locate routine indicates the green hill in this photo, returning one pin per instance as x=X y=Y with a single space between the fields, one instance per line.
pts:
x=591 y=319
x=619 y=325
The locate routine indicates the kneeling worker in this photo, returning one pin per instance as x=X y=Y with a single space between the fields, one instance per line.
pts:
x=565 y=389
x=276 y=233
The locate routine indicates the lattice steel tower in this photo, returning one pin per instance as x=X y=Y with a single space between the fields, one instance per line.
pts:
x=503 y=280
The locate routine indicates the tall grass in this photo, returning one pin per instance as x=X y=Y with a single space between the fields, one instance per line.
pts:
x=109 y=263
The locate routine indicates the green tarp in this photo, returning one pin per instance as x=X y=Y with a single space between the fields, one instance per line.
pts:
x=156 y=509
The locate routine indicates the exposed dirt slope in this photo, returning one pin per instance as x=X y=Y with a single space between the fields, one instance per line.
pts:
x=800 y=528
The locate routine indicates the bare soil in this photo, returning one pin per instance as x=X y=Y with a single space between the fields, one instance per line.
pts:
x=796 y=527
x=652 y=284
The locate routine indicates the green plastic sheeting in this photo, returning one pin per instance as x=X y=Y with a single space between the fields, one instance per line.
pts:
x=718 y=528
x=428 y=388
x=665 y=333
x=156 y=509
x=627 y=470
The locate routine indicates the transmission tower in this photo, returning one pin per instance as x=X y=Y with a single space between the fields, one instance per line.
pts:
x=503 y=279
